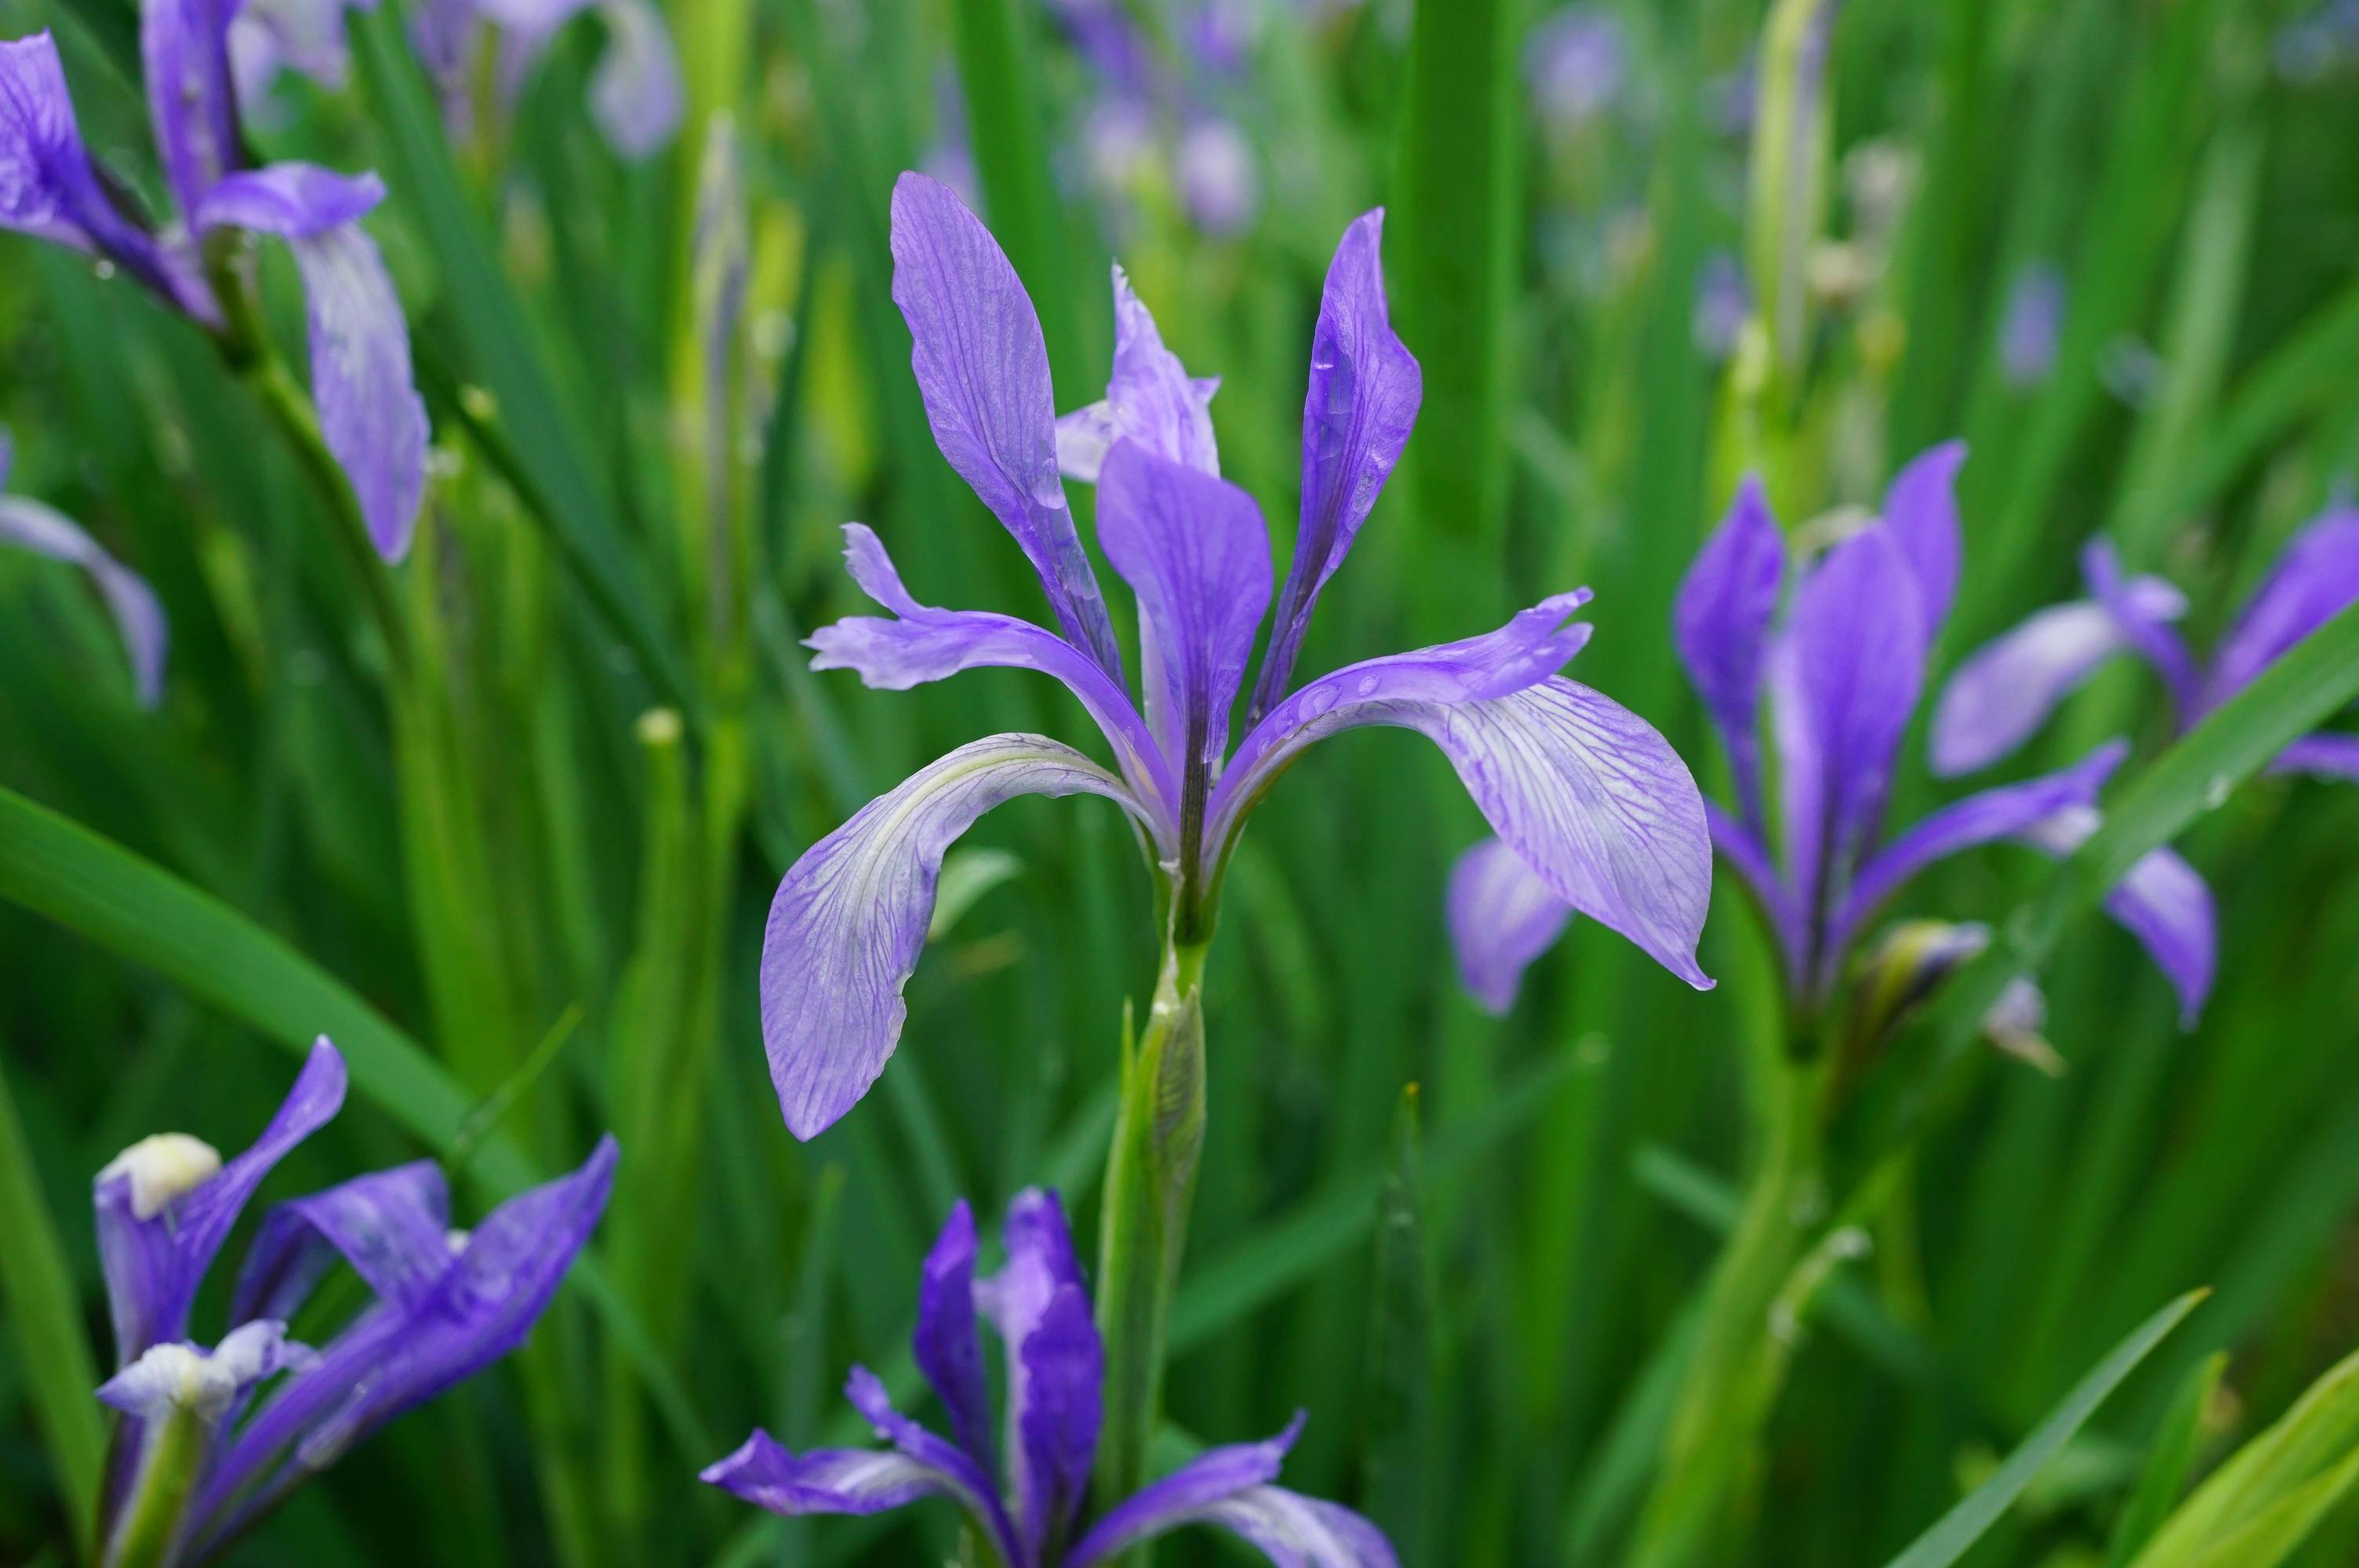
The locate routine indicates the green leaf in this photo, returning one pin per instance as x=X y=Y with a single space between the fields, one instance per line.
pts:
x=1959 y=1528
x=2168 y=1463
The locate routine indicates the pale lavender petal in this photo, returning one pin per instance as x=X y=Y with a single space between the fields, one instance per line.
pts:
x=2316 y=577
x=137 y=616
x=1193 y=549
x=1920 y=508
x=636 y=94
x=1844 y=678
x=159 y=1228
x=206 y=1383
x=1356 y=417
x=1219 y=179
x=962 y=1479
x=1585 y=792
x=1296 y=1531
x=2144 y=607
x=184 y=52
x=2324 y=754
x=1720 y=624
x=1502 y=917
x=949 y=1350
x=2163 y=900
x=983 y=370
x=851 y=916
x=2006 y=690
x=1981 y=819
x=1739 y=845
x=1150 y=400
x=1058 y=1417
x=923 y=644
x=825 y=1480
x=1211 y=1479
x=393 y=1227
x=267 y=37
x=370 y=413
x=292 y=201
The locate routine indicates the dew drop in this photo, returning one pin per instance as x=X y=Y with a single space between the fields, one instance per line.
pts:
x=2215 y=792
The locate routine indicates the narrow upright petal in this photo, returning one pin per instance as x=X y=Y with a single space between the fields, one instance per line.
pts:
x=636 y=94
x=1920 y=507
x=1501 y=916
x=192 y=93
x=982 y=371
x=1720 y=624
x=166 y=1204
x=1745 y=853
x=1038 y=1304
x=392 y=1226
x=1193 y=549
x=2163 y=901
x=2005 y=691
x=949 y=1350
x=1212 y=1477
x=2316 y=577
x=137 y=615
x=1356 y=417
x=850 y=917
x=2143 y=608
x=1150 y=400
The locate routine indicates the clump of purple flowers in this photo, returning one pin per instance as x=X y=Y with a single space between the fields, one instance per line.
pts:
x=1038 y=1304
x=199 y=1454
x=1840 y=675
x=1589 y=796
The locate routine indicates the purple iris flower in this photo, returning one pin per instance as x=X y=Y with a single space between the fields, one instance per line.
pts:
x=1574 y=62
x=1038 y=1306
x=45 y=531
x=1841 y=678
x=2002 y=695
x=2032 y=325
x=370 y=414
x=1589 y=794
x=446 y=1304
x=636 y=96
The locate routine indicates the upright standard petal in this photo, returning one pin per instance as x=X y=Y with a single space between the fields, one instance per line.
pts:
x=166 y=1204
x=2006 y=690
x=1038 y=1304
x=1211 y=1479
x=1720 y=624
x=2163 y=900
x=137 y=615
x=1502 y=917
x=848 y=921
x=636 y=94
x=1193 y=549
x=1920 y=507
x=2143 y=608
x=1356 y=417
x=1150 y=400
x=2316 y=577
x=983 y=370
x=184 y=52
x=949 y=1350
x=1845 y=679
x=393 y=1227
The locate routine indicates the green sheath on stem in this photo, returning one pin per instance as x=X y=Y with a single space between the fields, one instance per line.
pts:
x=150 y=1534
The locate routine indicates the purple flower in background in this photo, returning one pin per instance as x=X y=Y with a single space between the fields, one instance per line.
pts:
x=1840 y=677
x=1590 y=796
x=1021 y=1486
x=1574 y=62
x=1219 y=184
x=2033 y=322
x=30 y=526
x=2004 y=692
x=1723 y=304
x=369 y=411
x=198 y=1456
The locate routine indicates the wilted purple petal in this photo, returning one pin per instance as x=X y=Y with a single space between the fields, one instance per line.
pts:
x=392 y=1227
x=2143 y=608
x=370 y=413
x=2006 y=690
x=1149 y=400
x=1920 y=508
x=1981 y=819
x=949 y=1350
x=166 y=1204
x=1844 y=676
x=2316 y=577
x=1220 y=183
x=635 y=93
x=825 y=1480
x=1365 y=390
x=2163 y=900
x=184 y=52
x=1179 y=1499
x=923 y=644
x=1193 y=549
x=137 y=616
x=205 y=1383
x=1720 y=624
x=1501 y=916
x=2324 y=754
x=983 y=370
x=849 y=918
x=2032 y=325
x=969 y=1485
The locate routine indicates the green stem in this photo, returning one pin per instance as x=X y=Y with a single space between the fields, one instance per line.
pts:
x=149 y=1535
x=1151 y=1178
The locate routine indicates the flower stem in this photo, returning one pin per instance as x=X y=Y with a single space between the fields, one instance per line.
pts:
x=148 y=1532
x=1150 y=1179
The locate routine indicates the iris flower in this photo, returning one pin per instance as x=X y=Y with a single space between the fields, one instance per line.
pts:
x=2001 y=696
x=1039 y=1306
x=369 y=411
x=197 y=1456
x=1592 y=797
x=44 y=530
x=1841 y=678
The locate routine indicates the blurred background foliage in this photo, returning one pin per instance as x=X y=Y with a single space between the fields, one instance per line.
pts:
x=524 y=889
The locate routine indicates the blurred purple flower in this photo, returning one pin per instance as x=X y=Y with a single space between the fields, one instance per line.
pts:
x=28 y=524
x=1573 y=64
x=2032 y=324
x=370 y=413
x=2313 y=47
x=1021 y=1487
x=2001 y=696
x=1219 y=184
x=1586 y=792
x=446 y=1304
x=1723 y=304
x=1842 y=675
